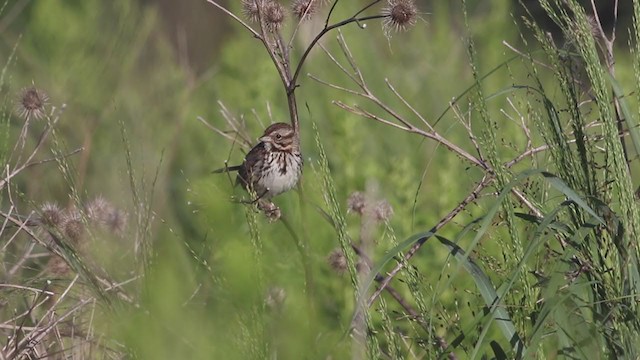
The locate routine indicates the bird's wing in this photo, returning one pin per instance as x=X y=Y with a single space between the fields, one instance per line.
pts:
x=252 y=161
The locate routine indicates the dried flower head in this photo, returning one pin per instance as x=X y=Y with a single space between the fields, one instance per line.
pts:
x=356 y=203
x=101 y=212
x=31 y=103
x=594 y=26
x=98 y=209
x=51 y=215
x=73 y=227
x=250 y=9
x=337 y=261
x=304 y=9
x=117 y=221
x=270 y=11
x=382 y=211
x=399 y=15
x=274 y=14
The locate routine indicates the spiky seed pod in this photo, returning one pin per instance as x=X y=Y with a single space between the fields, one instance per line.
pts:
x=250 y=9
x=103 y=213
x=399 y=15
x=73 y=227
x=31 y=103
x=51 y=216
x=337 y=261
x=304 y=9
x=356 y=203
x=274 y=14
x=594 y=27
x=116 y=221
x=382 y=211
x=98 y=209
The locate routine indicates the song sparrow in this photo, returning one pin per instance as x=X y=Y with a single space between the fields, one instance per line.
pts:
x=273 y=166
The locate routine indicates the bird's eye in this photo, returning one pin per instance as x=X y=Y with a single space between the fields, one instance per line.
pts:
x=278 y=136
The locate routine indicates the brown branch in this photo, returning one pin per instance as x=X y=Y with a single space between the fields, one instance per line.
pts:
x=392 y=291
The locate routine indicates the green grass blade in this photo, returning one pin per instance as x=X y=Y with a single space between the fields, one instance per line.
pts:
x=488 y=292
x=632 y=122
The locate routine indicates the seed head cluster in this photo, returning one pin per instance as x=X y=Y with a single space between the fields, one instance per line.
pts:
x=270 y=11
x=399 y=15
x=103 y=213
x=73 y=225
x=378 y=210
x=31 y=103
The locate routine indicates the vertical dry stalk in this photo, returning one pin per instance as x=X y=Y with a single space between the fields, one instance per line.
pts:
x=270 y=15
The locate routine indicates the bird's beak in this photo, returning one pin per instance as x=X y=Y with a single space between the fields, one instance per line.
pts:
x=265 y=139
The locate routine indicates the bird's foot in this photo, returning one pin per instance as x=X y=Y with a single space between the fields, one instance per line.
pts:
x=270 y=210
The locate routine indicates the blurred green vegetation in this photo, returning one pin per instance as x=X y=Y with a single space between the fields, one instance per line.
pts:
x=204 y=294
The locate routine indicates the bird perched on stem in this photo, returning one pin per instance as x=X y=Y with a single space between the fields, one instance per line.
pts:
x=273 y=166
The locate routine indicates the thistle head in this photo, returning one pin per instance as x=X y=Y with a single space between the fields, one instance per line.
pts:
x=399 y=15
x=31 y=103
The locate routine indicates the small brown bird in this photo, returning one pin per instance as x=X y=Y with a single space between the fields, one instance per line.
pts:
x=273 y=166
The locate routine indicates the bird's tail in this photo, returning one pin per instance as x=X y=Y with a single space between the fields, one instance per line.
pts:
x=226 y=169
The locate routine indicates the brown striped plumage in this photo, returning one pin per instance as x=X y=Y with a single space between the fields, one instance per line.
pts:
x=274 y=165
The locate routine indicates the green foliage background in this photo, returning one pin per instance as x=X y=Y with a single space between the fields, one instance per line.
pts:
x=202 y=295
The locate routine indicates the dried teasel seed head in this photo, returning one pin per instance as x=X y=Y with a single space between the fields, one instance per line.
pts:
x=274 y=14
x=594 y=26
x=399 y=15
x=382 y=211
x=102 y=212
x=98 y=209
x=73 y=227
x=250 y=9
x=51 y=215
x=356 y=203
x=337 y=261
x=117 y=221
x=304 y=9
x=31 y=103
